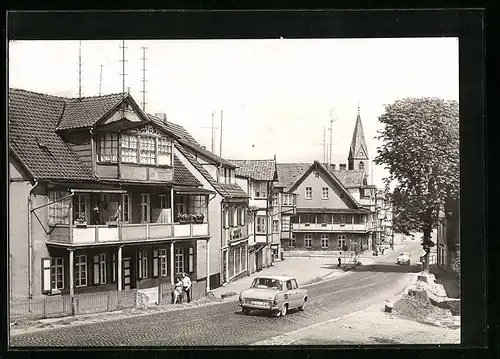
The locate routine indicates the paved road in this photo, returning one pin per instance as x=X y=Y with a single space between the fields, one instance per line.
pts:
x=224 y=324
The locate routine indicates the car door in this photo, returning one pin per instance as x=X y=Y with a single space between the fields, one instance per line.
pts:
x=289 y=294
x=297 y=294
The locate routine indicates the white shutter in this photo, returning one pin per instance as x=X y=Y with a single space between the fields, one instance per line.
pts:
x=155 y=262
x=46 y=287
x=96 y=269
x=191 y=260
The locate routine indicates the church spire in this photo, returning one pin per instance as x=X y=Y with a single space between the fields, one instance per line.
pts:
x=358 y=152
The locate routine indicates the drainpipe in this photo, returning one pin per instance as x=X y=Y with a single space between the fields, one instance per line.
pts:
x=208 y=243
x=30 y=245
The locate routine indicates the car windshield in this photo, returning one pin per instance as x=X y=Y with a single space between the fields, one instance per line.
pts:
x=267 y=283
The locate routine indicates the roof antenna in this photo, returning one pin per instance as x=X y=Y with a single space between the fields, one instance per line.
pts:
x=143 y=105
x=220 y=138
x=100 y=81
x=79 y=69
x=331 y=134
x=123 y=68
x=213 y=128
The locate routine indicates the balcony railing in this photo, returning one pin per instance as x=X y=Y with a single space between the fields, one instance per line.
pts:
x=329 y=227
x=93 y=234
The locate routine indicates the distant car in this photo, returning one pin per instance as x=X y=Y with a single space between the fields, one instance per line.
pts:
x=276 y=294
x=403 y=258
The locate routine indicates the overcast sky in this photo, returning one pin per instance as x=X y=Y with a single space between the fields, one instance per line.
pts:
x=276 y=95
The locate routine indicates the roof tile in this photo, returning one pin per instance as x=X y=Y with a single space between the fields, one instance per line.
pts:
x=182 y=175
x=259 y=170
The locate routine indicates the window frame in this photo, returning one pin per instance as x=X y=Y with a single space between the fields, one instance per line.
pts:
x=162 y=259
x=146 y=205
x=165 y=150
x=54 y=266
x=148 y=151
x=308 y=193
x=276 y=226
x=128 y=141
x=107 y=145
x=79 y=271
x=143 y=269
x=260 y=224
x=126 y=207
x=325 y=237
x=179 y=259
x=58 y=211
x=324 y=194
x=341 y=240
x=260 y=187
x=308 y=239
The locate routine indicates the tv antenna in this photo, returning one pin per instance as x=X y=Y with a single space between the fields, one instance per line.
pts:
x=220 y=137
x=331 y=134
x=100 y=81
x=143 y=105
x=80 y=69
x=123 y=60
x=213 y=128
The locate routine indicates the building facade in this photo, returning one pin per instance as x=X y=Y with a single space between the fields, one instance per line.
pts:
x=448 y=234
x=256 y=177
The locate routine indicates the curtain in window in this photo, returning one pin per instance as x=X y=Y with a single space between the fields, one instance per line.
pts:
x=164 y=152
x=148 y=150
x=107 y=147
x=129 y=148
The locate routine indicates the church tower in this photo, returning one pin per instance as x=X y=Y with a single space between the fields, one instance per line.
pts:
x=358 y=153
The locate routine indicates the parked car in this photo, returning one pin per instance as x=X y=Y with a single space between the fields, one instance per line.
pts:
x=276 y=294
x=403 y=258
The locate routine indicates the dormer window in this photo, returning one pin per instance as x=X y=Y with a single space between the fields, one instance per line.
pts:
x=107 y=147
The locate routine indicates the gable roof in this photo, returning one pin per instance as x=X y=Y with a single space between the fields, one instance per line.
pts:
x=225 y=190
x=87 y=111
x=259 y=170
x=358 y=141
x=182 y=176
x=33 y=119
x=350 y=178
x=289 y=173
x=324 y=168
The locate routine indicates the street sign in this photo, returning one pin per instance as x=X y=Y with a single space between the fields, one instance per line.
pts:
x=421 y=253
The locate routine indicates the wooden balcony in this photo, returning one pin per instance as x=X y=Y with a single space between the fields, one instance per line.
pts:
x=127 y=233
x=329 y=227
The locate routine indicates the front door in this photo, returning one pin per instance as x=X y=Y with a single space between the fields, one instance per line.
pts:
x=224 y=266
x=127 y=273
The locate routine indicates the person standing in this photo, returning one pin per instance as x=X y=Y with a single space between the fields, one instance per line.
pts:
x=186 y=283
x=340 y=260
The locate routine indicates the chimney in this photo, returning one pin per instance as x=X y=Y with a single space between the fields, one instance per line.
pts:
x=342 y=166
x=162 y=116
x=333 y=166
x=204 y=147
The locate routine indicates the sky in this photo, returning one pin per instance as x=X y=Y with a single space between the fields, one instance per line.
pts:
x=277 y=96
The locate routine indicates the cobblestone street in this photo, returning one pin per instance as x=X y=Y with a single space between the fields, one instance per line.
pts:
x=225 y=325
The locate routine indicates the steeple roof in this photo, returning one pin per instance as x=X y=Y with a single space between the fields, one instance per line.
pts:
x=358 y=149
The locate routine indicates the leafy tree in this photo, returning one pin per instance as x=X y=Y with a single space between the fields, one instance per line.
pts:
x=421 y=152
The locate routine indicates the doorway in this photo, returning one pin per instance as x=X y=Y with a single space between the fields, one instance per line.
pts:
x=224 y=266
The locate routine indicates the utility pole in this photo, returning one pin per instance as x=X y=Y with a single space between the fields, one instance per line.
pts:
x=100 y=81
x=79 y=69
x=220 y=138
x=331 y=134
x=324 y=144
x=143 y=78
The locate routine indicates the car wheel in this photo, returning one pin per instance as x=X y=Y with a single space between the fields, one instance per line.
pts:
x=284 y=310
x=303 y=306
x=246 y=311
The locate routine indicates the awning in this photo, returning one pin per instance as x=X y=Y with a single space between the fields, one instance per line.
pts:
x=191 y=190
x=80 y=190
x=256 y=246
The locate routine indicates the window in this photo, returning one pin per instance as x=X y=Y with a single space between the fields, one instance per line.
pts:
x=197 y=205
x=276 y=226
x=164 y=151
x=242 y=215
x=324 y=241
x=324 y=193
x=129 y=149
x=294 y=284
x=307 y=218
x=309 y=193
x=145 y=208
x=226 y=217
x=191 y=259
x=57 y=273
x=179 y=260
x=285 y=223
x=235 y=216
x=325 y=218
x=361 y=165
x=58 y=208
x=79 y=206
x=316 y=174
x=261 y=225
x=163 y=262
x=113 y=268
x=148 y=150
x=107 y=147
x=143 y=264
x=126 y=204
x=287 y=199
x=81 y=271
x=289 y=285
x=341 y=241
x=260 y=189
x=308 y=240
x=100 y=269
x=275 y=199
x=291 y=242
